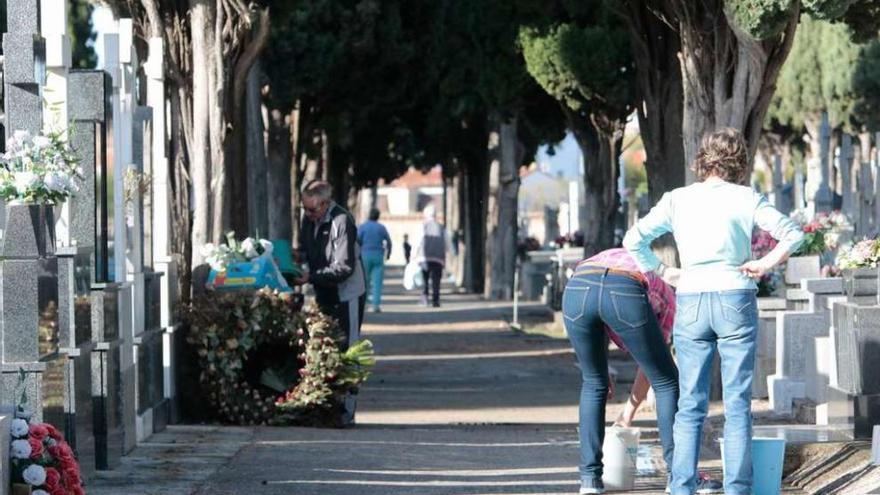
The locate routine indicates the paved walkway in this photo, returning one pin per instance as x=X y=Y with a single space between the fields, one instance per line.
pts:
x=459 y=404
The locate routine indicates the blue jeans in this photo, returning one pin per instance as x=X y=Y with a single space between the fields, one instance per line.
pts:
x=374 y=266
x=703 y=321
x=589 y=303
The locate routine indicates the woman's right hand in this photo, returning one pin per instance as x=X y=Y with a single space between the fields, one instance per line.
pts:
x=755 y=269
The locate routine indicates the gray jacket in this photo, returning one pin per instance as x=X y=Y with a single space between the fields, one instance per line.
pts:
x=331 y=249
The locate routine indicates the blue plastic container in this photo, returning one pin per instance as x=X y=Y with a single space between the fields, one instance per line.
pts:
x=768 y=456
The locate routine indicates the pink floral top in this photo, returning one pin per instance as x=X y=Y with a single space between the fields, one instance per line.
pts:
x=661 y=295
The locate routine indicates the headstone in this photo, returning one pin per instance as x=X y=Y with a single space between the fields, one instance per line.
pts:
x=866 y=197
x=106 y=377
x=75 y=337
x=845 y=163
x=119 y=61
x=824 y=196
x=28 y=267
x=795 y=334
x=53 y=27
x=765 y=347
x=5 y=440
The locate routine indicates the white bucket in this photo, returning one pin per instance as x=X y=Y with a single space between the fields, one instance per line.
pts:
x=620 y=453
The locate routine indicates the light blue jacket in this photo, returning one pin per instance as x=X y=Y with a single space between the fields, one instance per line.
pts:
x=712 y=223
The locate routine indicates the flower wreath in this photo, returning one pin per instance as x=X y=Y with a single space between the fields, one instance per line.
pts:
x=261 y=354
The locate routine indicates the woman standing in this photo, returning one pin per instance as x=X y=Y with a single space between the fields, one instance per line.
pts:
x=712 y=221
x=609 y=296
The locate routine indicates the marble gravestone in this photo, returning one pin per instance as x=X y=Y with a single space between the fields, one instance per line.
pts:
x=855 y=400
x=84 y=264
x=28 y=267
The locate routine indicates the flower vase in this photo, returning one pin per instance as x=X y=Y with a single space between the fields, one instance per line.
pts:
x=801 y=267
x=21 y=489
x=29 y=231
x=861 y=285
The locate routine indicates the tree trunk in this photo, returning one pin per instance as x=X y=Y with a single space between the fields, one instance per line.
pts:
x=655 y=46
x=476 y=189
x=200 y=154
x=454 y=226
x=257 y=167
x=599 y=141
x=502 y=224
x=729 y=77
x=281 y=177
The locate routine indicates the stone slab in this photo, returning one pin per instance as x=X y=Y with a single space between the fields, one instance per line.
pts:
x=23 y=16
x=798 y=268
x=89 y=95
x=823 y=285
x=58 y=51
x=860 y=412
x=24 y=60
x=23 y=109
x=772 y=304
x=797 y=295
x=5 y=440
x=105 y=312
x=11 y=389
x=106 y=395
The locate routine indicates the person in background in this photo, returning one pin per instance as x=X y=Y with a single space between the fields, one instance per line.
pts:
x=375 y=249
x=431 y=249
x=712 y=221
x=407 y=248
x=328 y=244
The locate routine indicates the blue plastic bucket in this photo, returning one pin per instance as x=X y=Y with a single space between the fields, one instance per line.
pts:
x=768 y=456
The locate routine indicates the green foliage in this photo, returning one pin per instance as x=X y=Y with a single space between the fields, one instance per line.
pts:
x=817 y=76
x=826 y=9
x=82 y=34
x=814 y=244
x=591 y=79
x=866 y=81
x=761 y=19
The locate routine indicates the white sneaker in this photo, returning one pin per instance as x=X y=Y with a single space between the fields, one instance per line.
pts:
x=591 y=491
x=424 y=301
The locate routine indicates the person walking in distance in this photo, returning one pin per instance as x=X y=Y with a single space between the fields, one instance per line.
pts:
x=712 y=221
x=431 y=249
x=407 y=248
x=328 y=243
x=375 y=249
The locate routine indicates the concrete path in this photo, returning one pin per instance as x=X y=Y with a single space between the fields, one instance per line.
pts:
x=459 y=404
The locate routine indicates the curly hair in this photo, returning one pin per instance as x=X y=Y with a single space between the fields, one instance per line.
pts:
x=722 y=154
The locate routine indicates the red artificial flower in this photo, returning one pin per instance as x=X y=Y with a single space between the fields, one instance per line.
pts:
x=54 y=451
x=809 y=228
x=70 y=474
x=36 y=447
x=59 y=490
x=65 y=454
x=53 y=480
x=54 y=433
x=39 y=431
x=77 y=490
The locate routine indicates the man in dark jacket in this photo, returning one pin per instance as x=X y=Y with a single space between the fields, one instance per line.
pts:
x=328 y=243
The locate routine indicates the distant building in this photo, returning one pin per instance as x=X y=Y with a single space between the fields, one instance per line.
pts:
x=400 y=204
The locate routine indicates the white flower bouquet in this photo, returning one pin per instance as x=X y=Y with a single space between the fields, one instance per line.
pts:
x=219 y=256
x=38 y=169
x=863 y=254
